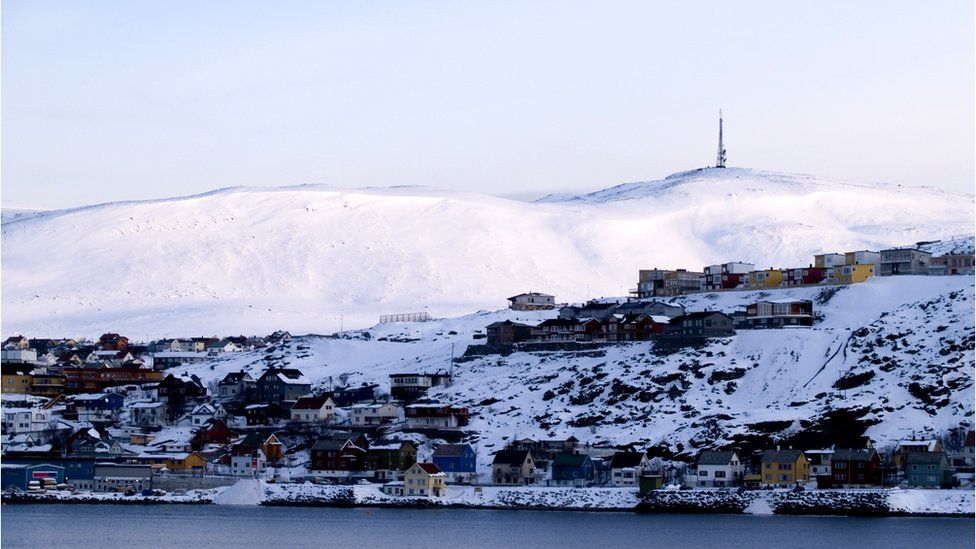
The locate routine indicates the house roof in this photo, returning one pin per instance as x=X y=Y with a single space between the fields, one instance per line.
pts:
x=781 y=456
x=713 y=457
x=530 y=294
x=570 y=460
x=430 y=468
x=510 y=457
x=699 y=314
x=928 y=444
x=857 y=454
x=508 y=323
x=310 y=403
x=926 y=457
x=330 y=444
x=450 y=450
x=626 y=459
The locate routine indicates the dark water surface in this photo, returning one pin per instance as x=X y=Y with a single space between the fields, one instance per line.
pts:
x=213 y=526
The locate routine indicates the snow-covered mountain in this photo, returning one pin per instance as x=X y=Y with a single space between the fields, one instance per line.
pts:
x=252 y=260
x=891 y=358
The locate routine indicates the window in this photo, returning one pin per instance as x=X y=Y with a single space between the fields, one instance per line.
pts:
x=703 y=473
x=719 y=474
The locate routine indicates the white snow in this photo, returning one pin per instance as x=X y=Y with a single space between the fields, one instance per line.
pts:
x=243 y=492
x=253 y=260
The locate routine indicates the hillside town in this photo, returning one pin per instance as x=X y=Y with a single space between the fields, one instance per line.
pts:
x=115 y=415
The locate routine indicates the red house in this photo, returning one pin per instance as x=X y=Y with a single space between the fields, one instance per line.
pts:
x=857 y=468
x=341 y=456
x=805 y=276
x=216 y=432
x=113 y=342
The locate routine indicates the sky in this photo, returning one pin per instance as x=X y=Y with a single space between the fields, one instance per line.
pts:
x=106 y=101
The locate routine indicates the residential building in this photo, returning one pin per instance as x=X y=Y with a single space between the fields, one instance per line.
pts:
x=855 y=468
x=533 y=301
x=666 y=283
x=458 y=461
x=719 y=469
x=113 y=342
x=634 y=327
x=905 y=447
x=26 y=356
x=92 y=380
x=338 y=457
x=313 y=409
x=247 y=461
x=149 y=414
x=282 y=384
x=375 y=414
x=507 y=332
x=16 y=342
x=864 y=257
x=700 y=324
x=389 y=458
x=164 y=360
x=572 y=470
x=236 y=385
x=347 y=396
x=905 y=261
x=266 y=414
x=956 y=264
x=425 y=479
x=204 y=413
x=764 y=279
x=627 y=467
x=25 y=420
x=928 y=470
x=784 y=468
x=96 y=407
x=778 y=313
x=726 y=276
x=819 y=462
x=805 y=276
x=411 y=386
x=513 y=468
x=434 y=415
x=16 y=378
x=854 y=274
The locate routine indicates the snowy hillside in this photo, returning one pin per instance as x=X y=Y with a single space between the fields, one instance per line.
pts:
x=894 y=356
x=252 y=260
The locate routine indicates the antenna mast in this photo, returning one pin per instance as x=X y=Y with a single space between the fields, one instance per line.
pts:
x=720 y=158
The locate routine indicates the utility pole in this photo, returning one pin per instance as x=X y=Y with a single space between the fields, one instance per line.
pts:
x=720 y=158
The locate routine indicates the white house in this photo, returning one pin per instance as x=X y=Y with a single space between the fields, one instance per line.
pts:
x=148 y=414
x=204 y=413
x=719 y=469
x=25 y=420
x=246 y=462
x=375 y=414
x=627 y=467
x=819 y=461
x=313 y=409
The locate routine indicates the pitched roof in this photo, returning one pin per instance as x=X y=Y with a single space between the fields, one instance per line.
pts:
x=928 y=444
x=430 y=468
x=856 y=454
x=781 y=456
x=510 y=457
x=626 y=459
x=450 y=450
x=713 y=457
x=570 y=460
x=926 y=457
x=310 y=403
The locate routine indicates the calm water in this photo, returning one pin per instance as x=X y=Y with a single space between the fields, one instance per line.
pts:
x=212 y=526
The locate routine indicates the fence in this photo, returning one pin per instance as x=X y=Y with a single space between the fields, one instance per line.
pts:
x=405 y=317
x=186 y=482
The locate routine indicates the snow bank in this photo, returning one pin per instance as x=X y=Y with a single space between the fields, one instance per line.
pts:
x=243 y=492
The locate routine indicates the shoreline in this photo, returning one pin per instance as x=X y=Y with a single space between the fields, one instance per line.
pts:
x=852 y=503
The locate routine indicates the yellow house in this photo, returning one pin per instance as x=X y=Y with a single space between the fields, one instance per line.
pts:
x=16 y=378
x=768 y=278
x=424 y=479
x=784 y=468
x=186 y=462
x=853 y=274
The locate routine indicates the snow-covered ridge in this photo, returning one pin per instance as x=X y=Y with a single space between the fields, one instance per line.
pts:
x=243 y=260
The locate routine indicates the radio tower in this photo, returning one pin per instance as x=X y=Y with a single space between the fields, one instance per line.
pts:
x=720 y=159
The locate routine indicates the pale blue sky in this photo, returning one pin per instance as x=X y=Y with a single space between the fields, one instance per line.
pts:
x=128 y=100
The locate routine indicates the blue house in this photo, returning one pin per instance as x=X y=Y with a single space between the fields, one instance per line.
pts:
x=458 y=461
x=929 y=470
x=572 y=470
x=20 y=474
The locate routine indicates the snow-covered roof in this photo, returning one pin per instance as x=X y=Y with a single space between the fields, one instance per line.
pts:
x=145 y=405
x=299 y=380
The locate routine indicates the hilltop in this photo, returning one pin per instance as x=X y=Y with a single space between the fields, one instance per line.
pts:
x=253 y=260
